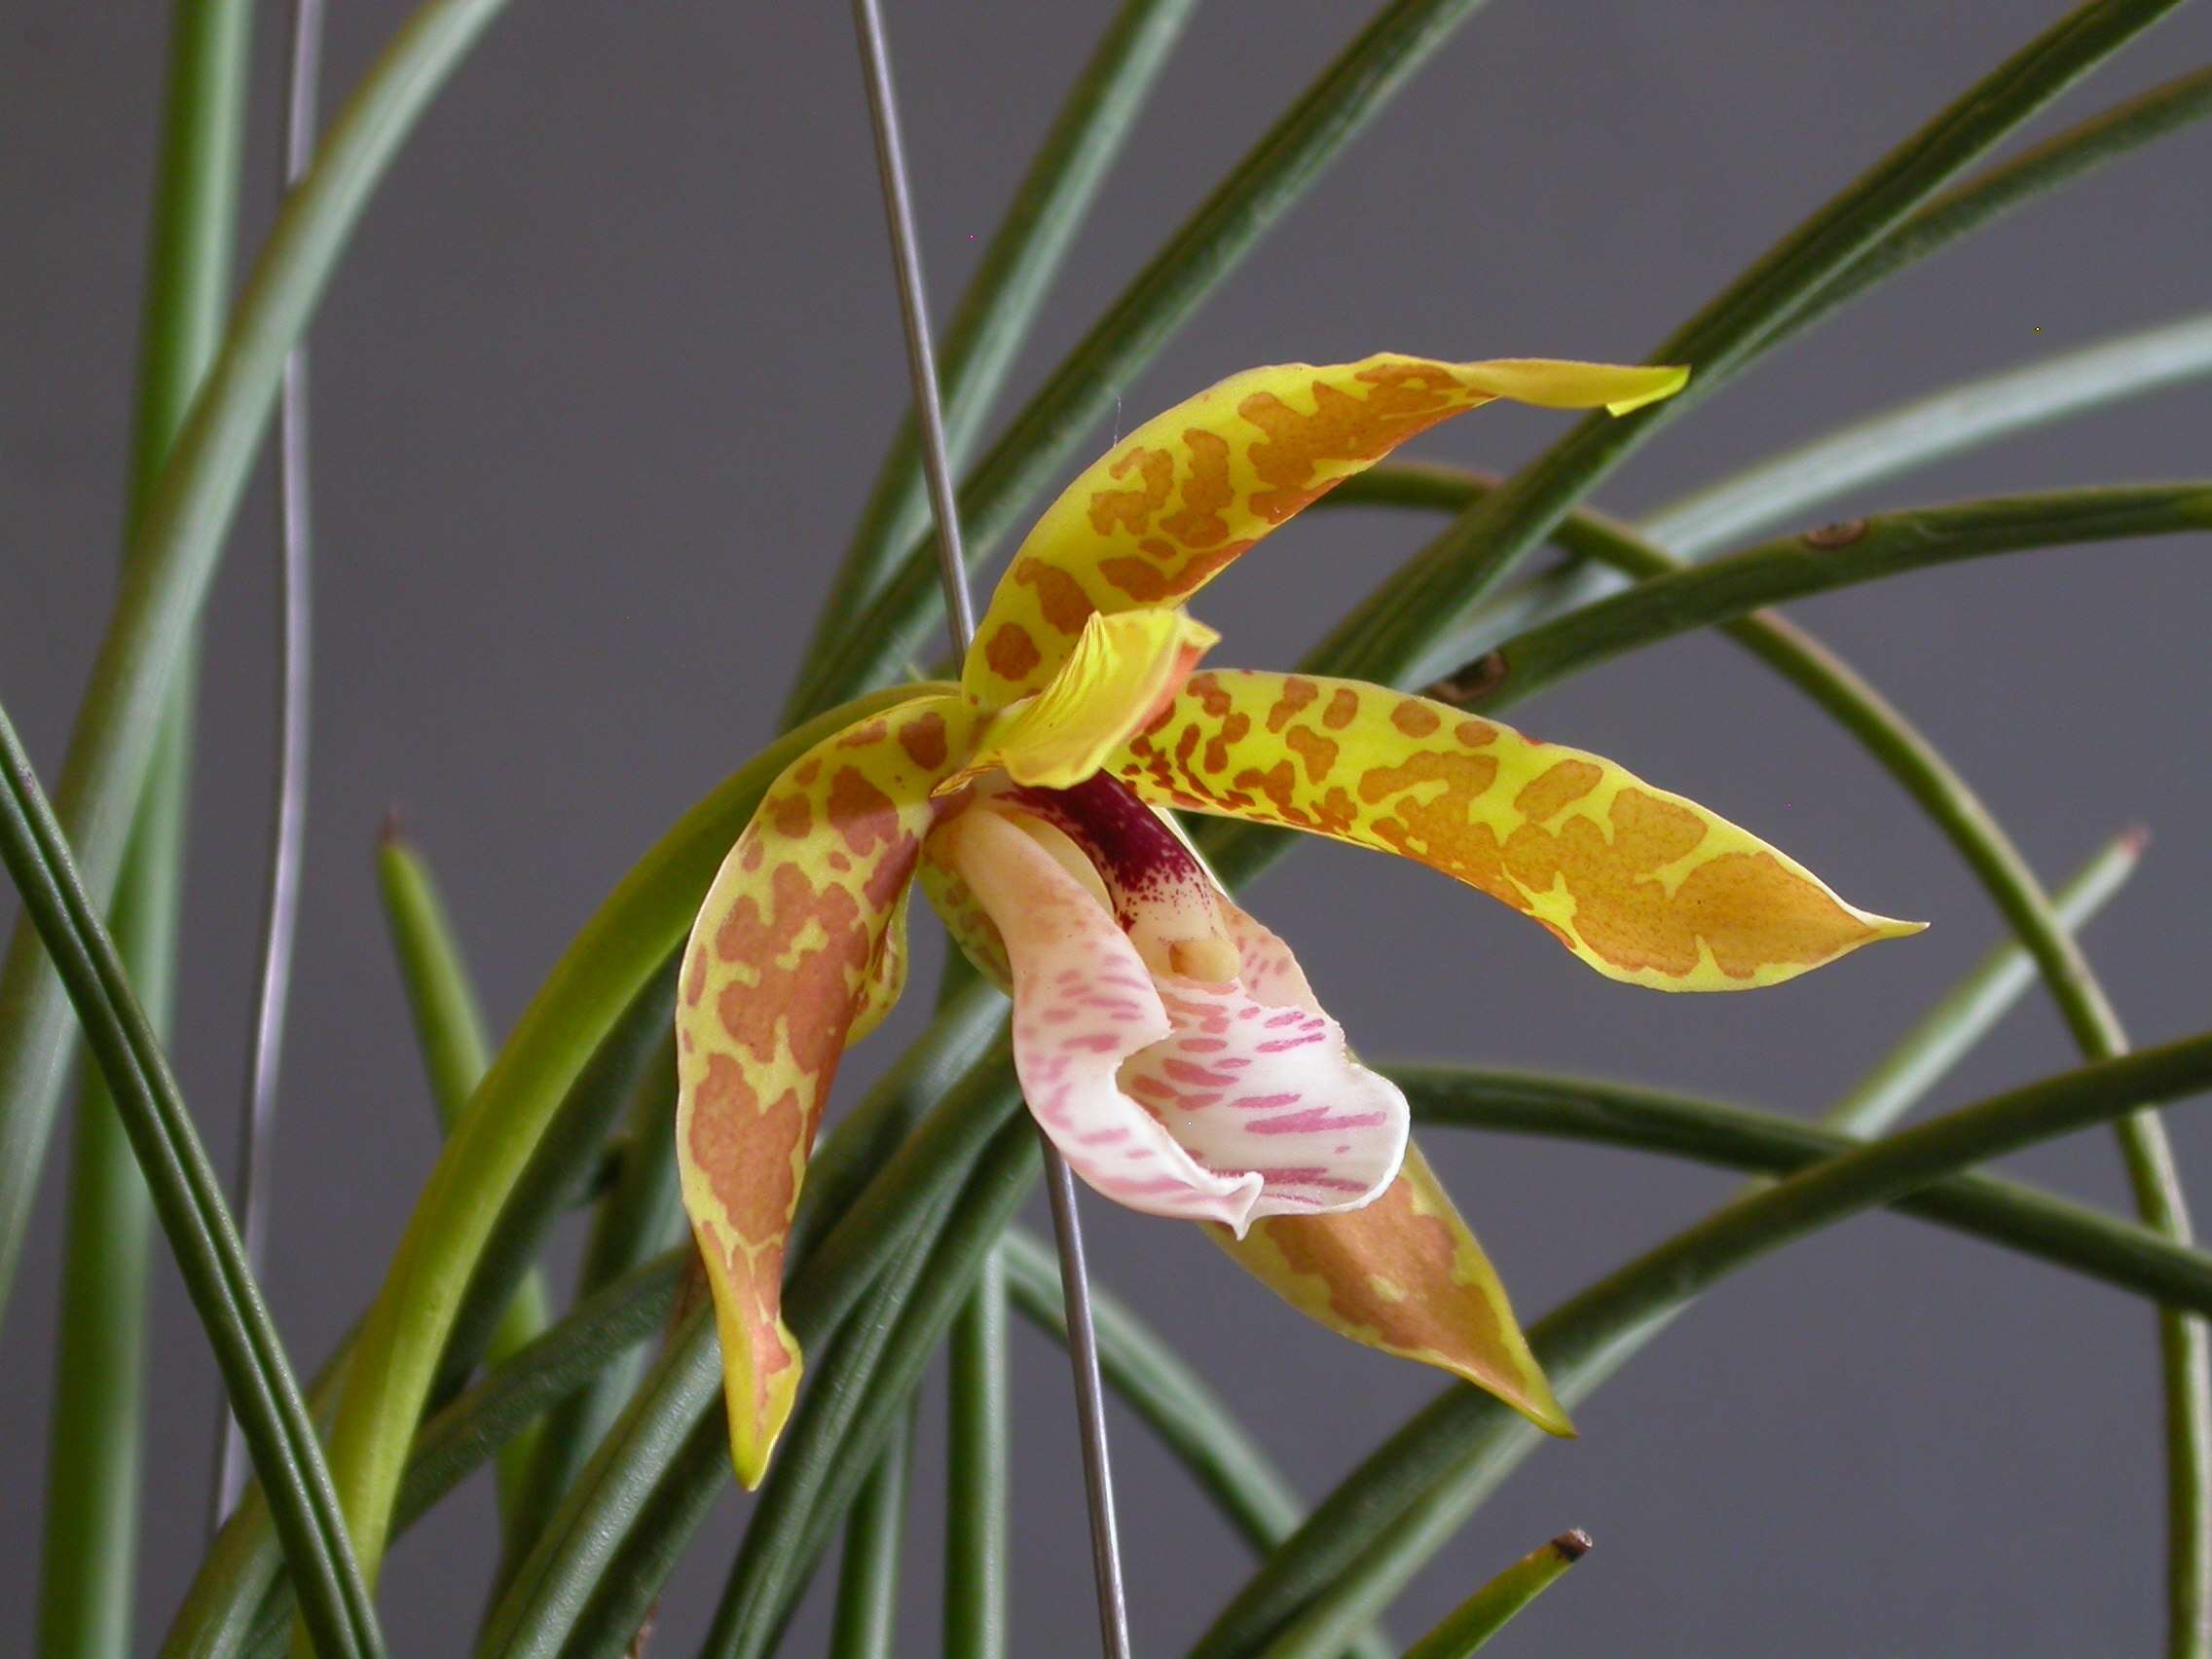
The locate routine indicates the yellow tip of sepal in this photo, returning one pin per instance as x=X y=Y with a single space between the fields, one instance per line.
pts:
x=1665 y=380
x=762 y=1368
x=757 y=1415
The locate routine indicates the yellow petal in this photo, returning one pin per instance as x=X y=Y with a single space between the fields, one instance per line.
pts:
x=1119 y=674
x=1152 y=521
x=792 y=952
x=1642 y=885
x=1404 y=1276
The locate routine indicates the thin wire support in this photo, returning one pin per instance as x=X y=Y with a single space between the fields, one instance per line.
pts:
x=281 y=914
x=1060 y=1181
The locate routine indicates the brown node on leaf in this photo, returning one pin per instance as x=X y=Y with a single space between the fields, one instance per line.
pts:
x=1476 y=680
x=1841 y=533
x=1573 y=1544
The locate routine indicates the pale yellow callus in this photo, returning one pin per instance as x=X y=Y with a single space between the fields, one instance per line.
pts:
x=796 y=952
x=1168 y=507
x=1119 y=674
x=1642 y=885
x=1405 y=1275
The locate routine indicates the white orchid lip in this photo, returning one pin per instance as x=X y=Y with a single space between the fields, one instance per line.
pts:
x=1163 y=900
x=1227 y=1098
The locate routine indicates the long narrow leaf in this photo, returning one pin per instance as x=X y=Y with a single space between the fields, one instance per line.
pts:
x=629 y=938
x=605 y=1327
x=976 y=1473
x=188 y=1199
x=1272 y=176
x=1932 y=428
x=867 y=1574
x=1733 y=1137
x=1668 y=601
x=1962 y=1016
x=1982 y=201
x=786 y=1539
x=89 y=1546
x=1469 y=1627
x=1391 y=636
x=640 y=1217
x=664 y=1460
x=449 y=1027
x=1389 y=1514
x=173 y=559
x=1191 y=1421
x=1860 y=550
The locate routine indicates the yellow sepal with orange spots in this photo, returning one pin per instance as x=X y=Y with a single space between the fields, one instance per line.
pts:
x=885 y=981
x=793 y=953
x=1640 y=884
x=1121 y=671
x=1405 y=1275
x=1157 y=517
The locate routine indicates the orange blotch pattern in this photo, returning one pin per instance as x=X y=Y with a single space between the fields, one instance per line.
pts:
x=1012 y=653
x=1152 y=521
x=1404 y=1276
x=1640 y=884
x=796 y=944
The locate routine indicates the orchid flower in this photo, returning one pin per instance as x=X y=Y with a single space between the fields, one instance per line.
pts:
x=1169 y=1044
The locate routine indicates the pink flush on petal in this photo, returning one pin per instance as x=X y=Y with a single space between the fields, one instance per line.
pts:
x=1223 y=1091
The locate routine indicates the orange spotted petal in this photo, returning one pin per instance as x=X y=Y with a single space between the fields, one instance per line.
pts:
x=1405 y=1275
x=793 y=952
x=1640 y=884
x=1157 y=517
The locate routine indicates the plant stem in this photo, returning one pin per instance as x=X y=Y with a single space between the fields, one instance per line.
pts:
x=90 y=1544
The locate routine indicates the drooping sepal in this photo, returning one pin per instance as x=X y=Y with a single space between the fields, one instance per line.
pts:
x=1404 y=1276
x=794 y=949
x=1167 y=509
x=1642 y=885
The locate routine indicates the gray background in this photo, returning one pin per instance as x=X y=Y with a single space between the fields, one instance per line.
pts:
x=598 y=389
